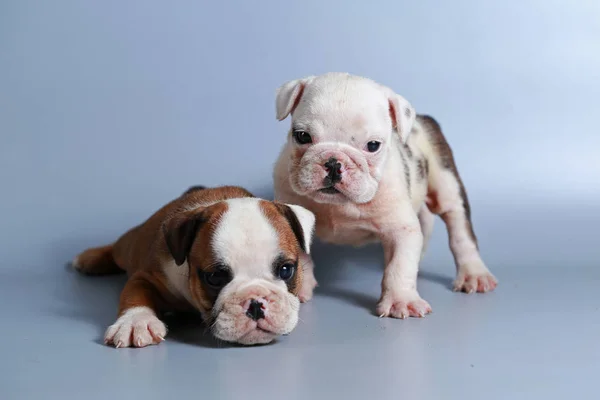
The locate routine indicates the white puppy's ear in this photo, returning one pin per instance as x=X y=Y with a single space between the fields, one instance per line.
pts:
x=403 y=115
x=302 y=222
x=288 y=96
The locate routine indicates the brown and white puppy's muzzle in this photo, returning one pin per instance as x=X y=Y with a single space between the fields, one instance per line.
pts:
x=255 y=311
x=244 y=266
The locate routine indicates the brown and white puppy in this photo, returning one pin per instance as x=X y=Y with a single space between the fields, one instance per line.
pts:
x=359 y=157
x=221 y=251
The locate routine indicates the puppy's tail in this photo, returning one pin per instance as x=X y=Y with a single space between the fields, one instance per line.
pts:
x=97 y=261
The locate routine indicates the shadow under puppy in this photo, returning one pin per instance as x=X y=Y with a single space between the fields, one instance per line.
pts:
x=232 y=256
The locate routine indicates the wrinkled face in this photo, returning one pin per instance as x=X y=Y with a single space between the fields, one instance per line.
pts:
x=341 y=132
x=244 y=273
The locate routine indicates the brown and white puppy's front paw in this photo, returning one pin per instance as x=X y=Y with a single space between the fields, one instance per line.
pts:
x=136 y=327
x=403 y=304
x=474 y=277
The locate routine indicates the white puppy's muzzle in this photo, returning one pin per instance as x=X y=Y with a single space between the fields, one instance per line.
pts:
x=333 y=173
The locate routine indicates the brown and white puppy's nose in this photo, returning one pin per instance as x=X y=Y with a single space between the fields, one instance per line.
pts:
x=255 y=310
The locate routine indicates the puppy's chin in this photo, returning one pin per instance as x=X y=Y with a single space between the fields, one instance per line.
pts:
x=232 y=323
x=357 y=192
x=253 y=336
x=339 y=196
x=323 y=196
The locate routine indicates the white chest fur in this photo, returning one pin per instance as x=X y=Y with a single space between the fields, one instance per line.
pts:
x=178 y=279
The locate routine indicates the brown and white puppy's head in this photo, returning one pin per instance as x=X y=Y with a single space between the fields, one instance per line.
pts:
x=342 y=129
x=243 y=260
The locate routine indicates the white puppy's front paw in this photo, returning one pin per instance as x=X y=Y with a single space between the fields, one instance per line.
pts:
x=402 y=304
x=137 y=327
x=308 y=286
x=476 y=278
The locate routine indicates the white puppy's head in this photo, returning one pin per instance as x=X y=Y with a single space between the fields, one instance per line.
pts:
x=341 y=132
x=243 y=260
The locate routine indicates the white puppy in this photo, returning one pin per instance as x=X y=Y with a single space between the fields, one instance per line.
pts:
x=359 y=157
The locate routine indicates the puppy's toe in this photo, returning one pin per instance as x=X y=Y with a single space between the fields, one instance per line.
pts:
x=157 y=329
x=470 y=284
x=486 y=283
x=481 y=282
x=403 y=305
x=141 y=336
x=137 y=327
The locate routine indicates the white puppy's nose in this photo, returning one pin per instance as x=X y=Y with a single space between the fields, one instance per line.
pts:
x=334 y=172
x=255 y=310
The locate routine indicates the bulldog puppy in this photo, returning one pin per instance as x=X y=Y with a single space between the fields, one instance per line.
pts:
x=370 y=169
x=221 y=251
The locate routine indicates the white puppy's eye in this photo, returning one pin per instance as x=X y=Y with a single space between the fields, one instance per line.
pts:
x=286 y=271
x=373 y=146
x=302 y=137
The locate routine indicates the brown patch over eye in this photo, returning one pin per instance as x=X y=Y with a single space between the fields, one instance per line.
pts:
x=202 y=261
x=287 y=271
x=290 y=240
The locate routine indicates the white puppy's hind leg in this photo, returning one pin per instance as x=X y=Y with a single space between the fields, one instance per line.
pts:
x=471 y=273
x=447 y=198
x=427 y=220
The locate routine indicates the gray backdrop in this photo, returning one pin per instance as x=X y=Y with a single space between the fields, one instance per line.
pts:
x=110 y=109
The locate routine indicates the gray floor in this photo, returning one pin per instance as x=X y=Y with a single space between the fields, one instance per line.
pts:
x=535 y=337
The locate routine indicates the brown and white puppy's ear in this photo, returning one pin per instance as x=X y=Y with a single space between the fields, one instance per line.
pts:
x=289 y=95
x=302 y=222
x=402 y=113
x=180 y=232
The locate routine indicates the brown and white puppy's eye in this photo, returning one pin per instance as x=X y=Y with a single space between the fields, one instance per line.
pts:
x=216 y=279
x=302 y=137
x=286 y=271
